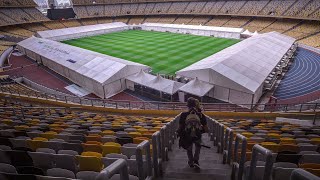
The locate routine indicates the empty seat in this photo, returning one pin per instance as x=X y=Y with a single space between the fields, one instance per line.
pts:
x=42 y=160
x=55 y=145
x=72 y=146
x=29 y=170
x=92 y=147
x=69 y=152
x=7 y=168
x=310 y=158
x=5 y=148
x=18 y=142
x=124 y=140
x=108 y=138
x=128 y=151
x=87 y=175
x=20 y=158
x=110 y=147
x=58 y=172
x=90 y=163
x=46 y=150
x=280 y=173
x=66 y=161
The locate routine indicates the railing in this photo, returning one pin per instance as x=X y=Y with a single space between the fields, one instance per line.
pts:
x=258 y=149
x=144 y=147
x=300 y=174
x=238 y=165
x=119 y=166
x=156 y=105
x=228 y=142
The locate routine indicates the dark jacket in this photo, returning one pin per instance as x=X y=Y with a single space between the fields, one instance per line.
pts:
x=184 y=140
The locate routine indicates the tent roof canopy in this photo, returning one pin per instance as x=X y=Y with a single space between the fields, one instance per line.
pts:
x=195 y=27
x=96 y=66
x=155 y=82
x=82 y=29
x=244 y=65
x=197 y=87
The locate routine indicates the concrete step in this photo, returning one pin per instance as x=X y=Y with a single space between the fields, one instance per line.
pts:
x=211 y=165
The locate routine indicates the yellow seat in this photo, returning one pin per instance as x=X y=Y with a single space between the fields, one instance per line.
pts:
x=94 y=154
x=247 y=134
x=111 y=147
x=274 y=135
x=289 y=147
x=107 y=132
x=138 y=140
x=21 y=127
x=49 y=134
x=274 y=147
x=315 y=141
x=287 y=140
x=90 y=163
x=36 y=143
x=134 y=134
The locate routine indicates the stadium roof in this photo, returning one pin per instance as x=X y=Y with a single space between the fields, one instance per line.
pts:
x=80 y=65
x=196 y=27
x=156 y=82
x=243 y=66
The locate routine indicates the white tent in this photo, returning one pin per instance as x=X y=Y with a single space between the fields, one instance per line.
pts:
x=225 y=32
x=197 y=87
x=238 y=72
x=97 y=73
x=82 y=31
x=154 y=82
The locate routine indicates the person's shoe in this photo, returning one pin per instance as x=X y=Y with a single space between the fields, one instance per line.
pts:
x=196 y=165
x=191 y=164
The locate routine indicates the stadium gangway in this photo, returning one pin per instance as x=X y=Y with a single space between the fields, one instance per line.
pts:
x=156 y=105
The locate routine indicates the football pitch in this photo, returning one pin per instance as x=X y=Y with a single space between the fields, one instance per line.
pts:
x=165 y=53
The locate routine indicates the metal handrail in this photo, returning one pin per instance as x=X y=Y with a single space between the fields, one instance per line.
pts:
x=239 y=165
x=300 y=174
x=121 y=104
x=220 y=138
x=228 y=139
x=157 y=162
x=258 y=149
x=119 y=166
x=144 y=146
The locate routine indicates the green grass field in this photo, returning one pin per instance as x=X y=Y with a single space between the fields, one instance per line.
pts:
x=164 y=52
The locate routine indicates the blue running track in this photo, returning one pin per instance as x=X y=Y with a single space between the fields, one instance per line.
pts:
x=303 y=76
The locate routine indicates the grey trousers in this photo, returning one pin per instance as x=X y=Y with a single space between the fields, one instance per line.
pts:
x=193 y=157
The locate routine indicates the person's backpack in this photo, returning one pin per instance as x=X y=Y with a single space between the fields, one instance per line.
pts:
x=193 y=125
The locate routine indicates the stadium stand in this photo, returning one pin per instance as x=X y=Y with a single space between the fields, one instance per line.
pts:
x=75 y=143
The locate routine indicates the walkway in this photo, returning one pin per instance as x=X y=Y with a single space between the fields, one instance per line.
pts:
x=210 y=162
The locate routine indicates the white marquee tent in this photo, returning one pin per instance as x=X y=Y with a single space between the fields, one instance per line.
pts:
x=197 y=87
x=82 y=31
x=97 y=73
x=225 y=32
x=238 y=72
x=154 y=82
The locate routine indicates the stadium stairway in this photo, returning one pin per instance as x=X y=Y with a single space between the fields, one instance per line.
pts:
x=210 y=162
